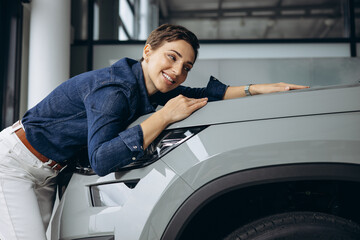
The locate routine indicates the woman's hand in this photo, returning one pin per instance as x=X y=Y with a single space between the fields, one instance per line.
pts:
x=236 y=92
x=175 y=109
x=181 y=107
x=273 y=87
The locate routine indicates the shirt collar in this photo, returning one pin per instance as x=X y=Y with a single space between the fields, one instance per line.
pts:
x=146 y=106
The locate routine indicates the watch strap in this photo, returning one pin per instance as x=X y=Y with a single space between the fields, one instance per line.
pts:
x=247 y=91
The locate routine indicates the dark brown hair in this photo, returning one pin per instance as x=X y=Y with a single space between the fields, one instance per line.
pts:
x=170 y=33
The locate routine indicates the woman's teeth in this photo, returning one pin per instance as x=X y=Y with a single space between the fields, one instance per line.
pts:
x=168 y=78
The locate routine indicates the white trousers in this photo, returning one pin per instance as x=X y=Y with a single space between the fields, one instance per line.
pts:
x=27 y=191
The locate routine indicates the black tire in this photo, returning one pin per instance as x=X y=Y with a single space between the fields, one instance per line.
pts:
x=298 y=226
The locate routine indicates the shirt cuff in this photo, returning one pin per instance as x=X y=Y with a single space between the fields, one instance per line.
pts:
x=134 y=139
x=215 y=90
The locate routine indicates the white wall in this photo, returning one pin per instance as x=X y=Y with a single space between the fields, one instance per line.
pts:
x=104 y=55
x=238 y=64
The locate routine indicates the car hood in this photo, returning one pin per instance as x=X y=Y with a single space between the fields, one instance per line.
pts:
x=312 y=101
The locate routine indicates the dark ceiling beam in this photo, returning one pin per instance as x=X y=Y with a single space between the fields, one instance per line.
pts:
x=260 y=12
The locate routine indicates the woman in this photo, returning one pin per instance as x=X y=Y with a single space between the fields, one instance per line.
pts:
x=94 y=109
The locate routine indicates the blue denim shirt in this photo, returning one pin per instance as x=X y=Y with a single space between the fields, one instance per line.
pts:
x=94 y=109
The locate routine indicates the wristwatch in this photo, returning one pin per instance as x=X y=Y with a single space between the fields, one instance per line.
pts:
x=247 y=92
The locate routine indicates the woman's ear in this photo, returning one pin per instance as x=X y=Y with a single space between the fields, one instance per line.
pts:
x=146 y=52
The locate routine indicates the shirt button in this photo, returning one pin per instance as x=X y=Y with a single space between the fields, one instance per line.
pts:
x=133 y=158
x=135 y=147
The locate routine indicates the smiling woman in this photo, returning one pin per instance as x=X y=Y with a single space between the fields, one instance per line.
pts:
x=166 y=64
x=167 y=67
x=93 y=110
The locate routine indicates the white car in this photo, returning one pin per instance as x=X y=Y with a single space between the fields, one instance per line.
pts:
x=276 y=166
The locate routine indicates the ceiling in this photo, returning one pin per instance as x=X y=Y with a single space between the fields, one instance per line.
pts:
x=259 y=19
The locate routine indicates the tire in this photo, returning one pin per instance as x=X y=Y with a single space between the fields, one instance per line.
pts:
x=298 y=226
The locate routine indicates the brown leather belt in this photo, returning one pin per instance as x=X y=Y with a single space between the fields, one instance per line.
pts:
x=21 y=135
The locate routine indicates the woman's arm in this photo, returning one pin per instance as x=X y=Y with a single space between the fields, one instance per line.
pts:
x=181 y=107
x=214 y=91
x=174 y=110
x=237 y=92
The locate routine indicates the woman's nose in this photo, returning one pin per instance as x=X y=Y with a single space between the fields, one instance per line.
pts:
x=177 y=68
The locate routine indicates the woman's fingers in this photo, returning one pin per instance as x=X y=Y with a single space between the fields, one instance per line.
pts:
x=197 y=104
x=181 y=107
x=289 y=86
x=294 y=86
x=192 y=104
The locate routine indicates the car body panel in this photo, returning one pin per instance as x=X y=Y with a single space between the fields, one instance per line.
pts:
x=248 y=180
x=277 y=141
x=331 y=139
x=290 y=128
x=274 y=105
x=76 y=217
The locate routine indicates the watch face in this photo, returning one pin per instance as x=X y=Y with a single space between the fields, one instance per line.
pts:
x=247 y=92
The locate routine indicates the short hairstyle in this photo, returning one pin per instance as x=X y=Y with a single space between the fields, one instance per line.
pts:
x=170 y=33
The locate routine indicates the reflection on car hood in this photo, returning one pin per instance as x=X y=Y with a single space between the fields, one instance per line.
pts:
x=318 y=100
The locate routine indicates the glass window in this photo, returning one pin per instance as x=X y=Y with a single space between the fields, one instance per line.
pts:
x=258 y=19
x=124 y=19
x=217 y=19
x=107 y=21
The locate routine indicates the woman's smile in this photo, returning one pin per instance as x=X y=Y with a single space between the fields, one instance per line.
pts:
x=168 y=79
x=167 y=67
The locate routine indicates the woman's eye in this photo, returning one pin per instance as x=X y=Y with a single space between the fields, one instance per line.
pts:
x=172 y=57
x=187 y=69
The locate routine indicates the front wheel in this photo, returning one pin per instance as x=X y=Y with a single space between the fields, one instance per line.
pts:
x=298 y=226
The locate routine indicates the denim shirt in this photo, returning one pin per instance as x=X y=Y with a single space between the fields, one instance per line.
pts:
x=94 y=109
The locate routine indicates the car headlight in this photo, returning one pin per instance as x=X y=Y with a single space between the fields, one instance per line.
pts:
x=163 y=144
x=116 y=193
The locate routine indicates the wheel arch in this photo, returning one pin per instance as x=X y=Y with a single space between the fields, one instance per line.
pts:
x=254 y=177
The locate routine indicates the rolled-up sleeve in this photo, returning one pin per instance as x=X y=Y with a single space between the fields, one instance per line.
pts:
x=214 y=91
x=110 y=145
x=133 y=139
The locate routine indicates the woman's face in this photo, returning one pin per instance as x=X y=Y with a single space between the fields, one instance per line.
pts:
x=167 y=67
